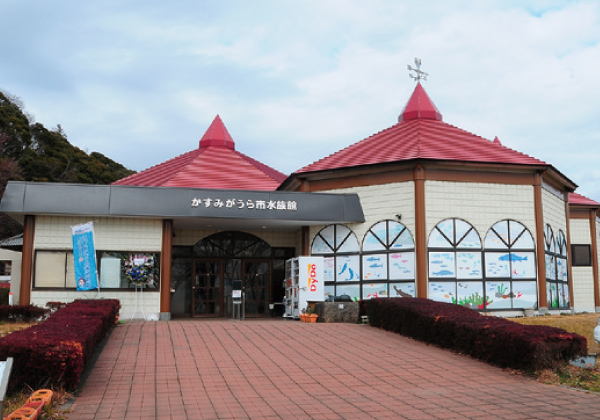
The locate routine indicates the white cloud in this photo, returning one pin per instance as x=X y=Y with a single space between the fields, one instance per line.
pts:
x=295 y=81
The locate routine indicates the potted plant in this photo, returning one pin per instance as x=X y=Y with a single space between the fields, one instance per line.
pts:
x=311 y=316
x=303 y=315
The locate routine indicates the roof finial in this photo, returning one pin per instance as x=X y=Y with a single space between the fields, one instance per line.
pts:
x=419 y=74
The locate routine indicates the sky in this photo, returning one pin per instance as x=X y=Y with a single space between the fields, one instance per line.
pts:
x=294 y=81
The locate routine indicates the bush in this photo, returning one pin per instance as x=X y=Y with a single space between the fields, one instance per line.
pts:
x=55 y=352
x=494 y=340
x=4 y=291
x=25 y=312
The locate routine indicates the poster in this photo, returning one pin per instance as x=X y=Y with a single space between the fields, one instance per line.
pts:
x=375 y=267
x=468 y=265
x=110 y=272
x=84 y=256
x=402 y=265
x=442 y=265
x=347 y=268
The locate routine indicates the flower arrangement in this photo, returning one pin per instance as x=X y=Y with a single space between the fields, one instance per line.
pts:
x=139 y=270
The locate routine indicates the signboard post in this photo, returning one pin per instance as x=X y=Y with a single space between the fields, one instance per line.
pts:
x=237 y=298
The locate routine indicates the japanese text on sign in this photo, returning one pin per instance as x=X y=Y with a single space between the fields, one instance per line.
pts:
x=245 y=204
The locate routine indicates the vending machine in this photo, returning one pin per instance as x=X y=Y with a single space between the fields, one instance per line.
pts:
x=303 y=284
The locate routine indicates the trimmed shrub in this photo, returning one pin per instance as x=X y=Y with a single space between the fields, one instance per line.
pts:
x=55 y=352
x=491 y=339
x=25 y=312
x=4 y=291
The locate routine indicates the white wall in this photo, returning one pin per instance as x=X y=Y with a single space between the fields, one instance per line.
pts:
x=15 y=275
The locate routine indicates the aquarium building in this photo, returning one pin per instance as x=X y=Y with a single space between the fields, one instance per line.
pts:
x=421 y=208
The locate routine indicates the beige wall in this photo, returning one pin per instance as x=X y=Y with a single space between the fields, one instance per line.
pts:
x=281 y=238
x=480 y=204
x=111 y=234
x=554 y=212
x=380 y=202
x=583 y=277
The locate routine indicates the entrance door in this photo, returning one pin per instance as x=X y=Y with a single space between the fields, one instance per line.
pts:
x=257 y=284
x=207 y=289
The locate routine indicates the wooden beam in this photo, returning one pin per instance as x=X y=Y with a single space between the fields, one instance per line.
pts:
x=27 y=260
x=540 y=244
x=165 y=269
x=420 y=232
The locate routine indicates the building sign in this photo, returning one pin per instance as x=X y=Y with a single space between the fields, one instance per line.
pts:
x=182 y=204
x=235 y=203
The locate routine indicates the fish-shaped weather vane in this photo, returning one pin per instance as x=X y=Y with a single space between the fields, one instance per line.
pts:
x=418 y=73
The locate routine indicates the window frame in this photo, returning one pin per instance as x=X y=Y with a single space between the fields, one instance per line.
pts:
x=68 y=258
x=576 y=261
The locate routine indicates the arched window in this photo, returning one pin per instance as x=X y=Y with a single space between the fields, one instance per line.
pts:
x=339 y=247
x=510 y=268
x=455 y=265
x=388 y=261
x=557 y=279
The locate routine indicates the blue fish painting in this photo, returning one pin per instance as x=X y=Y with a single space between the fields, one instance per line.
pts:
x=444 y=273
x=512 y=257
x=376 y=265
x=373 y=259
x=343 y=268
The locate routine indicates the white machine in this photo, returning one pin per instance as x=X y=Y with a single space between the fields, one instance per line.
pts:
x=303 y=284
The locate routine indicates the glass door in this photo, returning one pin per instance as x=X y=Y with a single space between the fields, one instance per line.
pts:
x=207 y=288
x=233 y=271
x=257 y=284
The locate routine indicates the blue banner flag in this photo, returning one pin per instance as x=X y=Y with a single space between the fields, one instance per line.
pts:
x=85 y=257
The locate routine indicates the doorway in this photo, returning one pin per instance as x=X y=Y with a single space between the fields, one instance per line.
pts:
x=202 y=276
x=212 y=286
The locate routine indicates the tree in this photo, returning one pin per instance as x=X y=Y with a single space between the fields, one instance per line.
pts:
x=31 y=152
x=14 y=126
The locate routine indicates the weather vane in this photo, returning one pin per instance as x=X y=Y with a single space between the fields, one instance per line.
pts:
x=419 y=74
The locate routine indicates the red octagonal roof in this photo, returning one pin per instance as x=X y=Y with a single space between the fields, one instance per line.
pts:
x=215 y=164
x=581 y=200
x=421 y=134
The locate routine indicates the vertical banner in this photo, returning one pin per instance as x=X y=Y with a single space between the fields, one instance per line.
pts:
x=84 y=256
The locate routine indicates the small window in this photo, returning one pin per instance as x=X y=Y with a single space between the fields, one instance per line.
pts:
x=5 y=268
x=582 y=255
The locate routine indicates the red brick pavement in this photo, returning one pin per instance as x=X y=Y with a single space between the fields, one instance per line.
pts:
x=290 y=370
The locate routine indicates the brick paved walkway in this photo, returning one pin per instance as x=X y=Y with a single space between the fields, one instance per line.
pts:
x=289 y=370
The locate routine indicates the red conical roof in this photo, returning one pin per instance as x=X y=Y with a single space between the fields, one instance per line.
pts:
x=419 y=106
x=421 y=134
x=217 y=135
x=215 y=165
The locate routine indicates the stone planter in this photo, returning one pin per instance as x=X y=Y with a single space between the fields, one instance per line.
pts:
x=337 y=311
x=528 y=312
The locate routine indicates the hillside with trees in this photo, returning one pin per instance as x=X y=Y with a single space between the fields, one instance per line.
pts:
x=31 y=152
